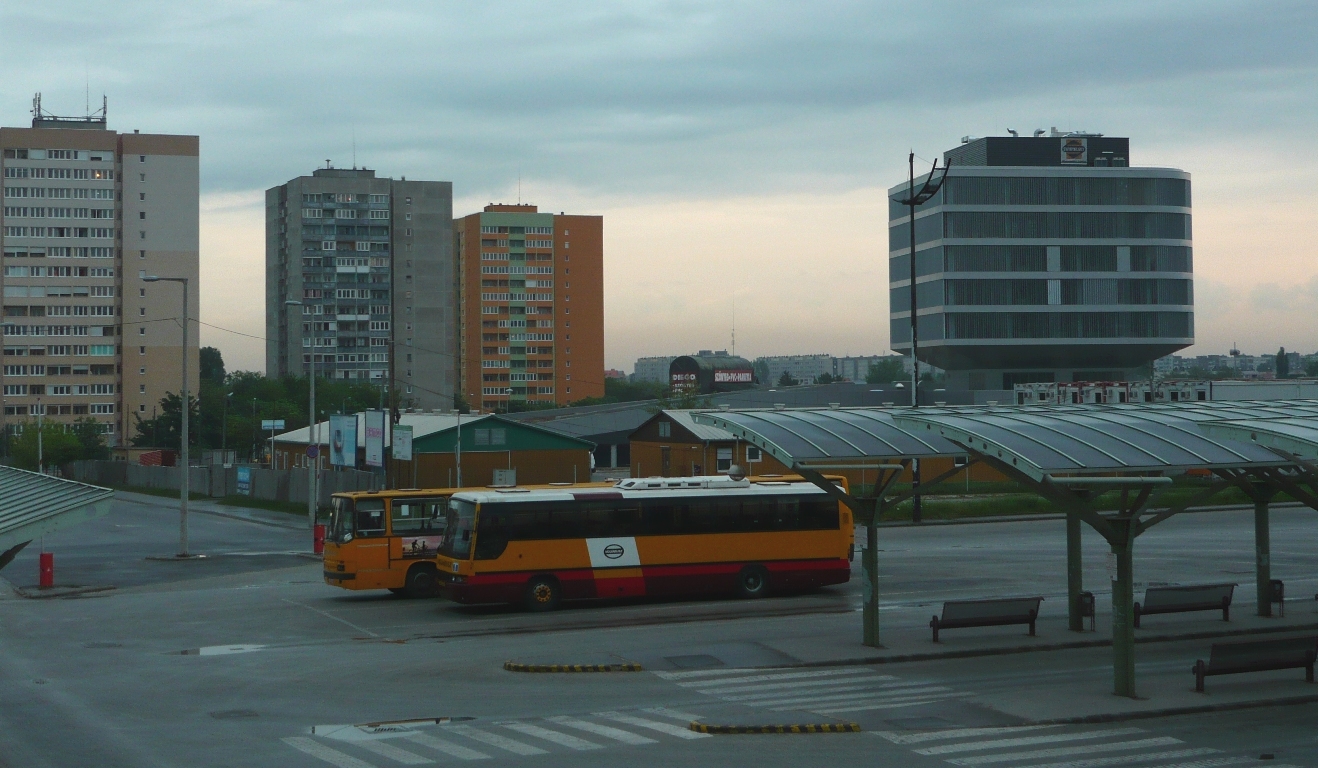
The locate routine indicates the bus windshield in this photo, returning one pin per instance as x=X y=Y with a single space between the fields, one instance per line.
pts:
x=457 y=539
x=363 y=518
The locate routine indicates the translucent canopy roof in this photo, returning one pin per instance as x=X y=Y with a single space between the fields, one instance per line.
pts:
x=32 y=505
x=1037 y=440
x=1298 y=436
x=829 y=435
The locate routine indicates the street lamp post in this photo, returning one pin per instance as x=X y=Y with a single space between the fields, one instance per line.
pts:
x=313 y=433
x=224 y=428
x=183 y=417
x=914 y=200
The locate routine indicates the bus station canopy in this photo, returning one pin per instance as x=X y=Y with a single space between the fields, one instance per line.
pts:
x=33 y=505
x=1037 y=440
x=1295 y=436
x=829 y=436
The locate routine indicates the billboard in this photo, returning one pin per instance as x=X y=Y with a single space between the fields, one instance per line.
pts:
x=402 y=442
x=733 y=376
x=1075 y=151
x=374 y=438
x=343 y=441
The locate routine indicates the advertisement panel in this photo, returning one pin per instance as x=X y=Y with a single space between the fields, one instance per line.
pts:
x=245 y=481
x=375 y=438
x=734 y=376
x=403 y=442
x=343 y=441
x=1075 y=151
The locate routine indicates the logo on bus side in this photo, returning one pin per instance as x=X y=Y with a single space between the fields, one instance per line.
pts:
x=614 y=551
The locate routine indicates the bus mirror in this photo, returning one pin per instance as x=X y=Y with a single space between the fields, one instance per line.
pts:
x=347 y=537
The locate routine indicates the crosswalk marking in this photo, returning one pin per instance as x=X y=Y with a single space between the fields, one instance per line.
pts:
x=328 y=754
x=385 y=749
x=835 y=689
x=654 y=725
x=1039 y=754
x=913 y=701
x=495 y=740
x=955 y=733
x=779 y=676
x=607 y=731
x=697 y=673
x=794 y=685
x=685 y=717
x=1025 y=741
x=447 y=747
x=1147 y=757
x=562 y=739
x=870 y=694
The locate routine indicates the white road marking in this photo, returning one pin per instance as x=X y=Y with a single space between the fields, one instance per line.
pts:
x=1087 y=749
x=640 y=722
x=495 y=740
x=685 y=717
x=875 y=696
x=225 y=650
x=1121 y=760
x=779 y=676
x=836 y=689
x=1025 y=741
x=385 y=749
x=911 y=701
x=795 y=685
x=331 y=616
x=608 y=732
x=699 y=673
x=328 y=754
x=447 y=747
x=955 y=733
x=562 y=739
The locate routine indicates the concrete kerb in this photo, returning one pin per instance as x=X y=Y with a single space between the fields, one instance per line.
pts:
x=757 y=729
x=513 y=666
x=50 y=593
x=966 y=653
x=1227 y=706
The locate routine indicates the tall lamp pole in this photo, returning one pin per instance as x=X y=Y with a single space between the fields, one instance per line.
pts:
x=184 y=418
x=914 y=200
x=313 y=435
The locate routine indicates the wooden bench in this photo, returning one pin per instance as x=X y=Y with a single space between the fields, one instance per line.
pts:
x=1202 y=597
x=1257 y=656
x=987 y=613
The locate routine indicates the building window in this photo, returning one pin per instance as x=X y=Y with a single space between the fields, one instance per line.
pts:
x=753 y=454
x=142 y=311
x=142 y=332
x=724 y=460
x=142 y=351
x=142 y=389
x=665 y=429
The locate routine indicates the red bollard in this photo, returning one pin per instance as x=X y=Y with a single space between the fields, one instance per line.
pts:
x=47 y=569
x=317 y=540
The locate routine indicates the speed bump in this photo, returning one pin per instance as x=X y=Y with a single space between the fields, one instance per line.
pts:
x=513 y=666
x=802 y=728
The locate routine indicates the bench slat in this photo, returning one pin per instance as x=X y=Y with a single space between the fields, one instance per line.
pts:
x=1157 y=598
x=959 y=614
x=1258 y=656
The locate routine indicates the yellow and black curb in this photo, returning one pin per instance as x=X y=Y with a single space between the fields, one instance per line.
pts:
x=513 y=666
x=806 y=728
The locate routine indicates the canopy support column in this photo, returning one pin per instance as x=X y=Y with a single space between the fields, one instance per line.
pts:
x=1074 y=572
x=1263 y=554
x=1123 y=610
x=869 y=569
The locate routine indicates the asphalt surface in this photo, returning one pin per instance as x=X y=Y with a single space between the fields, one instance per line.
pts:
x=246 y=658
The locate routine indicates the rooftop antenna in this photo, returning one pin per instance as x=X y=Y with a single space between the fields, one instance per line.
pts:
x=734 y=325
x=354 y=147
x=87 y=87
x=519 y=186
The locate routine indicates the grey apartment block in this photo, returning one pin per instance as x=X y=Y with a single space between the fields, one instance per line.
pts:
x=804 y=368
x=371 y=259
x=653 y=369
x=1045 y=259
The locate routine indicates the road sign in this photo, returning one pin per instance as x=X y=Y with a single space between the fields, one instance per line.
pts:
x=402 y=442
x=272 y=424
x=313 y=450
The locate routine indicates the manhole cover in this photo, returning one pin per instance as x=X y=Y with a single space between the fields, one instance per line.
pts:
x=233 y=714
x=698 y=661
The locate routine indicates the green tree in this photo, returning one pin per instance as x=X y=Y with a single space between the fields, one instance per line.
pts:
x=165 y=429
x=825 y=378
x=623 y=391
x=786 y=380
x=212 y=365
x=91 y=437
x=1283 y=364
x=58 y=446
x=886 y=370
x=761 y=370
x=1311 y=368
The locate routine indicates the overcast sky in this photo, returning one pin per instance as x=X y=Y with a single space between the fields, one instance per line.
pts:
x=738 y=150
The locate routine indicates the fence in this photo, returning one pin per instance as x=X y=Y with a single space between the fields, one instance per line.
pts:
x=215 y=481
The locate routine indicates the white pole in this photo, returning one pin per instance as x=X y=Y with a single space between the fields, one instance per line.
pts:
x=41 y=453
x=313 y=432
x=457 y=447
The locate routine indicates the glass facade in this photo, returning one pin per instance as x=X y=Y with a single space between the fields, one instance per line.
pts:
x=1063 y=190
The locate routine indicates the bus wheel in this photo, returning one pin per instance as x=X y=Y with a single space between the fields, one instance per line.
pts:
x=543 y=594
x=753 y=581
x=420 y=582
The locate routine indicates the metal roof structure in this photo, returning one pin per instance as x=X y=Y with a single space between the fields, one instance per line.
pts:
x=1296 y=436
x=33 y=505
x=828 y=435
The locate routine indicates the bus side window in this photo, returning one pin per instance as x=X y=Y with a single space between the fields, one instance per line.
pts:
x=411 y=516
x=370 y=518
x=492 y=535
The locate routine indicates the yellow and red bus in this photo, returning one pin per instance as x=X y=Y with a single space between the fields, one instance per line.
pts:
x=644 y=536
x=388 y=539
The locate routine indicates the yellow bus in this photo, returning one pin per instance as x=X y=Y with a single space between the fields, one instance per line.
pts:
x=388 y=539
x=644 y=536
